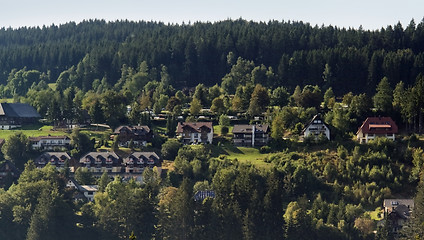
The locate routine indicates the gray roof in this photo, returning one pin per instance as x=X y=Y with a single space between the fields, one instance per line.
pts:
x=103 y=155
x=146 y=155
x=245 y=128
x=394 y=202
x=22 y=110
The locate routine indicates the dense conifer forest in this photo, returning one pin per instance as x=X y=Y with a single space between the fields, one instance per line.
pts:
x=197 y=52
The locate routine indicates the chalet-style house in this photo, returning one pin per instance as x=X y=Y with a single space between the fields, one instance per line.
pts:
x=374 y=127
x=251 y=135
x=50 y=142
x=398 y=212
x=99 y=162
x=8 y=173
x=89 y=191
x=136 y=162
x=195 y=132
x=139 y=135
x=13 y=115
x=316 y=127
x=57 y=159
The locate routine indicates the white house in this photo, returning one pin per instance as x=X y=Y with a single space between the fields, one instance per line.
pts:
x=251 y=135
x=89 y=191
x=374 y=127
x=195 y=132
x=316 y=127
x=50 y=142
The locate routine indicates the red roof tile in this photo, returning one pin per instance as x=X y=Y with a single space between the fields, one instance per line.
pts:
x=379 y=125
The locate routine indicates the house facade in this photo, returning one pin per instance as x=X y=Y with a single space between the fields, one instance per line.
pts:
x=398 y=212
x=374 y=127
x=50 y=142
x=195 y=132
x=89 y=191
x=99 y=162
x=13 y=115
x=8 y=173
x=139 y=135
x=316 y=127
x=57 y=159
x=136 y=162
x=251 y=135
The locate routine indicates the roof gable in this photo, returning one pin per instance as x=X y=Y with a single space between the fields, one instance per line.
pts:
x=245 y=128
x=22 y=110
x=316 y=120
x=194 y=126
x=378 y=125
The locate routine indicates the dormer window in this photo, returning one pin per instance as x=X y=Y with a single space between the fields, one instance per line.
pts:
x=98 y=161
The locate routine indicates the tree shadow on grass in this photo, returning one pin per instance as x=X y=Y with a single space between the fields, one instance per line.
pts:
x=232 y=148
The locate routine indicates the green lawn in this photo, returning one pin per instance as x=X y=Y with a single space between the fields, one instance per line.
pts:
x=34 y=130
x=7 y=100
x=217 y=130
x=244 y=154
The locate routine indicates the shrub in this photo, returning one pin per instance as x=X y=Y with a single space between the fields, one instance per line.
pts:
x=265 y=149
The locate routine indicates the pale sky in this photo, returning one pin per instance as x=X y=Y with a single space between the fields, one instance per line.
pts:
x=371 y=14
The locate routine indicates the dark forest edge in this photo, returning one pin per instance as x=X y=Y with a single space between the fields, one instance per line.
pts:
x=296 y=52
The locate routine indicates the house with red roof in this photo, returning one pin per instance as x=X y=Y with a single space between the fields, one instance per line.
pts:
x=195 y=132
x=374 y=127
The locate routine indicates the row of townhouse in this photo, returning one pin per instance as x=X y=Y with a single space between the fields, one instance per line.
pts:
x=99 y=162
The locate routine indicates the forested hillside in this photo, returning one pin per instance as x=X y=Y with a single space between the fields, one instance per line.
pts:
x=95 y=76
x=295 y=52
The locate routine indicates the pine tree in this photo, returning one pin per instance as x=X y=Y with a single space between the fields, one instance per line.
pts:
x=384 y=96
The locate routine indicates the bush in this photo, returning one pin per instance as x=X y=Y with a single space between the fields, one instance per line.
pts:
x=265 y=149
x=170 y=149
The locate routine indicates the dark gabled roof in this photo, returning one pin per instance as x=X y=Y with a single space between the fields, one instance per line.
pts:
x=100 y=155
x=245 y=128
x=316 y=117
x=54 y=155
x=403 y=211
x=22 y=110
x=136 y=130
x=194 y=126
x=146 y=155
x=8 y=166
